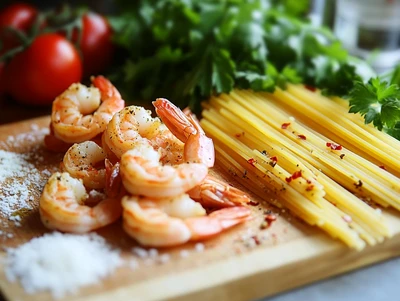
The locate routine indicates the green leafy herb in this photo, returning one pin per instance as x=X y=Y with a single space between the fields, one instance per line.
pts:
x=189 y=49
x=379 y=103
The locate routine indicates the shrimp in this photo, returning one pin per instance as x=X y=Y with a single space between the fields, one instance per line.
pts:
x=128 y=128
x=152 y=223
x=85 y=161
x=143 y=174
x=62 y=206
x=215 y=193
x=198 y=147
x=81 y=113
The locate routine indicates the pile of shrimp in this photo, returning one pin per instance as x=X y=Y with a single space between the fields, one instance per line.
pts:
x=152 y=171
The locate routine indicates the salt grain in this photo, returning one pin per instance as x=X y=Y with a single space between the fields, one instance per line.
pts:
x=199 y=247
x=61 y=263
x=347 y=218
x=153 y=253
x=164 y=258
x=133 y=264
x=18 y=180
x=140 y=252
x=184 y=253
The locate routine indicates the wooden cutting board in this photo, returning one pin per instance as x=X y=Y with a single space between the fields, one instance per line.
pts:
x=241 y=264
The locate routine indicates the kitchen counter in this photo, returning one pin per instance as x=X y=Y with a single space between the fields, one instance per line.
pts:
x=373 y=283
x=378 y=282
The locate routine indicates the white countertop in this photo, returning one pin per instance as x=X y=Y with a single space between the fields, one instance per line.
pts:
x=379 y=282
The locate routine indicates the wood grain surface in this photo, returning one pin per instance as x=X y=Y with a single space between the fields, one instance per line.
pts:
x=231 y=267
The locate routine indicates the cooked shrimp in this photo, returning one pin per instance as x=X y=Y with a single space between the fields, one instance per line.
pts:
x=85 y=161
x=198 y=147
x=152 y=224
x=215 y=193
x=129 y=128
x=143 y=174
x=169 y=147
x=62 y=206
x=81 y=113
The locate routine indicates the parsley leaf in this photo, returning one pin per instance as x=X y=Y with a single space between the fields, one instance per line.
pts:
x=379 y=103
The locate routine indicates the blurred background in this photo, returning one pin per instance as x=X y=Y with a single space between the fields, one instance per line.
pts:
x=369 y=29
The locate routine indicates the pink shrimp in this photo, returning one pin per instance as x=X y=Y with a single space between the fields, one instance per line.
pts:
x=171 y=222
x=198 y=147
x=215 y=193
x=81 y=113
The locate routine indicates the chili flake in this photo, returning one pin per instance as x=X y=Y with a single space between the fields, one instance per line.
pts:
x=256 y=240
x=383 y=167
x=302 y=137
x=252 y=161
x=296 y=174
x=238 y=135
x=285 y=125
x=311 y=88
x=253 y=203
x=334 y=146
x=310 y=188
x=270 y=218
x=273 y=161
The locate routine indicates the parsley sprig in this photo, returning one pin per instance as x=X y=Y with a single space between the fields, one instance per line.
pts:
x=187 y=50
x=190 y=49
x=379 y=102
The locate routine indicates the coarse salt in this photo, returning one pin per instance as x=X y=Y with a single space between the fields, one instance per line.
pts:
x=140 y=252
x=184 y=253
x=199 y=247
x=19 y=179
x=61 y=263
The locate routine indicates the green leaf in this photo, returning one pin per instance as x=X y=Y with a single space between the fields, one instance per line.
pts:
x=223 y=71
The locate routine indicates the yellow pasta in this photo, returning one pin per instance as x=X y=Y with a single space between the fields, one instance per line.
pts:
x=287 y=144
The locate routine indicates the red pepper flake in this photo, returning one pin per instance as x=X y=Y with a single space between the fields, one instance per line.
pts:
x=383 y=167
x=296 y=174
x=256 y=240
x=273 y=161
x=334 y=146
x=285 y=125
x=252 y=203
x=310 y=188
x=270 y=218
x=302 y=137
x=252 y=161
x=311 y=88
x=238 y=135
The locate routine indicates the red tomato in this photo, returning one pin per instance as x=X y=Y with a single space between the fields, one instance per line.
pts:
x=20 y=16
x=96 y=45
x=44 y=70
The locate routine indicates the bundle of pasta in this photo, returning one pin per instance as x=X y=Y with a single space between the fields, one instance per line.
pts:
x=286 y=143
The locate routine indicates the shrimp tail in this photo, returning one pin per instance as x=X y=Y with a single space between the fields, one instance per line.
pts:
x=198 y=147
x=214 y=193
x=113 y=187
x=217 y=221
x=107 y=89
